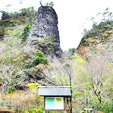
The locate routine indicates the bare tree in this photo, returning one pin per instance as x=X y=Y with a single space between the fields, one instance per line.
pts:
x=98 y=72
x=61 y=73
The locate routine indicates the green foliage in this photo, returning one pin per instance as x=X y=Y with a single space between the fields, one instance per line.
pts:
x=108 y=107
x=27 y=11
x=50 y=48
x=98 y=29
x=33 y=85
x=39 y=58
x=24 y=11
x=106 y=23
x=70 y=51
x=2 y=31
x=25 y=15
x=78 y=60
x=9 y=57
x=12 y=54
x=11 y=90
x=3 y=12
x=34 y=109
x=78 y=93
x=42 y=42
x=25 y=32
x=39 y=109
x=16 y=32
x=50 y=4
x=48 y=40
x=29 y=20
x=5 y=15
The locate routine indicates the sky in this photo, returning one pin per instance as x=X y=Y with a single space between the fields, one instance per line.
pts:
x=73 y=16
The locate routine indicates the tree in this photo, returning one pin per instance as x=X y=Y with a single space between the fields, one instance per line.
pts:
x=62 y=73
x=70 y=52
x=12 y=62
x=39 y=58
x=98 y=73
x=51 y=4
x=5 y=15
x=40 y=2
x=10 y=79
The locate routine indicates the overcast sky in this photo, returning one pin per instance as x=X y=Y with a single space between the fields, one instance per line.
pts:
x=72 y=14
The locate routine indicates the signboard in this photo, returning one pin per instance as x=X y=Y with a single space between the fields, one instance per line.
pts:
x=54 y=103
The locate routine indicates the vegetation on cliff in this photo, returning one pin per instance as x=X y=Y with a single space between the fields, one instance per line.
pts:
x=11 y=20
x=98 y=40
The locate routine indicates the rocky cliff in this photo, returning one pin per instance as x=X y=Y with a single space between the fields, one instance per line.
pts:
x=44 y=34
x=98 y=41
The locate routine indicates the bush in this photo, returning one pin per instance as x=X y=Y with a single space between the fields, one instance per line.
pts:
x=16 y=32
x=2 y=31
x=33 y=85
x=48 y=40
x=5 y=15
x=27 y=11
x=39 y=58
x=11 y=90
x=108 y=107
x=25 y=32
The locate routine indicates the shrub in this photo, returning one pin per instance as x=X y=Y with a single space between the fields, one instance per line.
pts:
x=33 y=85
x=2 y=31
x=25 y=32
x=39 y=58
x=16 y=32
x=5 y=15
x=27 y=11
x=48 y=40
x=11 y=90
x=108 y=107
x=70 y=51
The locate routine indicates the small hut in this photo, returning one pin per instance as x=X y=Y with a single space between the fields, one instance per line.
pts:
x=55 y=97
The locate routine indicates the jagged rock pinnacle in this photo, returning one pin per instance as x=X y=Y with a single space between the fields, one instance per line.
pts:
x=44 y=34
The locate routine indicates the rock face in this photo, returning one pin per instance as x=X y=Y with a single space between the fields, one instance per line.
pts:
x=44 y=34
x=98 y=42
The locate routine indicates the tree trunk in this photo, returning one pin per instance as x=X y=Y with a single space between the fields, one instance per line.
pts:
x=71 y=104
x=100 y=103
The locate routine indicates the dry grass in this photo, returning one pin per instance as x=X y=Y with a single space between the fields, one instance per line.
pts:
x=19 y=100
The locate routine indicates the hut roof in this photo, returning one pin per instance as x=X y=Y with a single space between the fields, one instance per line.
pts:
x=54 y=91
